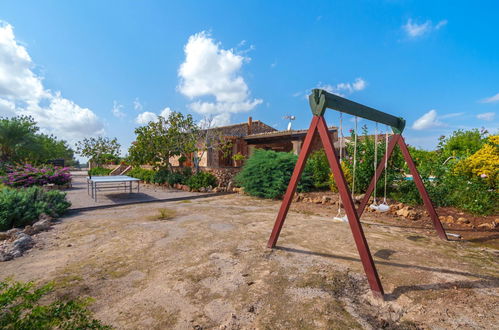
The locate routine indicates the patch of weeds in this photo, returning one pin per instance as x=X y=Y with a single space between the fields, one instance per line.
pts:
x=21 y=309
x=164 y=214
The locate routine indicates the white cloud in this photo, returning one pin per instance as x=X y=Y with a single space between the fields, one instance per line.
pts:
x=212 y=72
x=137 y=105
x=166 y=112
x=117 y=110
x=145 y=117
x=487 y=116
x=491 y=99
x=22 y=93
x=345 y=88
x=428 y=120
x=414 y=30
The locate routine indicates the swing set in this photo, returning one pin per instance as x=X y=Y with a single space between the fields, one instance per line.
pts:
x=319 y=101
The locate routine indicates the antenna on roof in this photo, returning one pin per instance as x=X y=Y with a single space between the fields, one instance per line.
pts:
x=290 y=118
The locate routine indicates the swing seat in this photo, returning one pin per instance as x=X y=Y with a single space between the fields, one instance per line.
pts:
x=341 y=219
x=383 y=208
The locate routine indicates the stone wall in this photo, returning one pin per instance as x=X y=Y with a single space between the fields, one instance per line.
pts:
x=224 y=175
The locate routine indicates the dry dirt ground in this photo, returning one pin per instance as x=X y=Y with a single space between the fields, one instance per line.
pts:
x=208 y=267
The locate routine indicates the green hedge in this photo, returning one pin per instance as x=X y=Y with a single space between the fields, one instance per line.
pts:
x=23 y=206
x=267 y=173
x=99 y=171
x=142 y=174
x=201 y=180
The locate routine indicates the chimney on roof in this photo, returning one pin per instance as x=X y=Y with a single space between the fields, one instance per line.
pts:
x=250 y=124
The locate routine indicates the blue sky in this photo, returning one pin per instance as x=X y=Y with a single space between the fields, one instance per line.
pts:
x=104 y=67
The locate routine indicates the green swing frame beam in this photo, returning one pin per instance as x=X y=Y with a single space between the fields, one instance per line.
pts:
x=320 y=100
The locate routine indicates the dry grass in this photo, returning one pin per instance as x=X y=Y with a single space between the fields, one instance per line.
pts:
x=164 y=214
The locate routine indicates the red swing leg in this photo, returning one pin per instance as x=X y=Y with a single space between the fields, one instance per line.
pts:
x=422 y=190
x=353 y=219
x=295 y=177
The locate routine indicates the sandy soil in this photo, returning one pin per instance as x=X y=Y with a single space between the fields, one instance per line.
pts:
x=209 y=267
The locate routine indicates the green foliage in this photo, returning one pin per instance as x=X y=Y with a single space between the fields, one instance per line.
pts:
x=161 y=176
x=201 y=180
x=99 y=171
x=472 y=195
x=462 y=143
x=20 y=141
x=365 y=162
x=142 y=174
x=100 y=149
x=319 y=166
x=163 y=139
x=23 y=206
x=267 y=173
x=21 y=308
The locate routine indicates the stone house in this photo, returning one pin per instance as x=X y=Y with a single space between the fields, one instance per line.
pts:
x=244 y=139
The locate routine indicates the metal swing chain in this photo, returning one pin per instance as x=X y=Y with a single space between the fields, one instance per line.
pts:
x=338 y=214
x=386 y=163
x=375 y=158
x=354 y=157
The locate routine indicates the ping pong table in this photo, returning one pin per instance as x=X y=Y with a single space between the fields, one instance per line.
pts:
x=112 y=182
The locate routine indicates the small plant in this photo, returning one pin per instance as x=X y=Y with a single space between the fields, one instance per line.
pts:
x=201 y=180
x=21 y=308
x=239 y=157
x=164 y=214
x=23 y=206
x=97 y=171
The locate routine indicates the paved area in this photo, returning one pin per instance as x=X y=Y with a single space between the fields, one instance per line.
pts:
x=79 y=197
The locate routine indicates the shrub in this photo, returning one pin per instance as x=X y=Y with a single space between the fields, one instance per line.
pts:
x=142 y=174
x=483 y=164
x=161 y=176
x=27 y=176
x=348 y=178
x=99 y=171
x=319 y=167
x=267 y=173
x=21 y=309
x=21 y=207
x=201 y=180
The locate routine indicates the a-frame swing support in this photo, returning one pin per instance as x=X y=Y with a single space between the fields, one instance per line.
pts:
x=319 y=101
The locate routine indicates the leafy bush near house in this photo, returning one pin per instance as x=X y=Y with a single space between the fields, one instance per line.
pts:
x=348 y=178
x=96 y=171
x=23 y=206
x=21 y=308
x=319 y=166
x=201 y=180
x=161 y=176
x=267 y=173
x=28 y=175
x=142 y=174
x=484 y=163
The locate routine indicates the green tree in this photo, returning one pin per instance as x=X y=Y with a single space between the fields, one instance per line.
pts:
x=17 y=138
x=163 y=139
x=20 y=141
x=99 y=149
x=461 y=143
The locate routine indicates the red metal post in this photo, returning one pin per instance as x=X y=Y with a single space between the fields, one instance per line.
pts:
x=295 y=177
x=379 y=171
x=353 y=219
x=422 y=190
